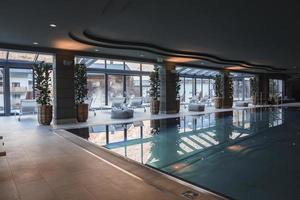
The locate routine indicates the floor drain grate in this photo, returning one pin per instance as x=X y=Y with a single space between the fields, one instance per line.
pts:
x=189 y=194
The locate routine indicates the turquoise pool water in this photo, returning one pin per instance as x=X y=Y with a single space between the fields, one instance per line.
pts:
x=245 y=154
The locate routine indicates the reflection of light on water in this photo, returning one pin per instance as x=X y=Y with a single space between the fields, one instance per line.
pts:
x=178 y=166
x=235 y=148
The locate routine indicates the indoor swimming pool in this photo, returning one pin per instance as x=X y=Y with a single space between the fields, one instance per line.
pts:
x=242 y=154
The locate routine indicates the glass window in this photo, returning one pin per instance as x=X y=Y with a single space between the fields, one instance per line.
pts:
x=21 y=86
x=188 y=89
x=275 y=88
x=133 y=86
x=199 y=88
x=95 y=63
x=147 y=67
x=146 y=88
x=3 y=55
x=181 y=91
x=112 y=64
x=45 y=58
x=1 y=91
x=21 y=56
x=96 y=89
x=115 y=86
x=212 y=88
x=205 y=86
x=237 y=90
x=132 y=66
x=247 y=90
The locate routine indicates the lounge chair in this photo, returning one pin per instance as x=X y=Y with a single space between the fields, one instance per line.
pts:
x=27 y=106
x=118 y=102
x=136 y=102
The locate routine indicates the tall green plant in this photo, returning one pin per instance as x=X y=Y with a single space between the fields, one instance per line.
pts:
x=80 y=83
x=253 y=86
x=218 y=85
x=154 y=84
x=42 y=72
x=230 y=86
x=178 y=85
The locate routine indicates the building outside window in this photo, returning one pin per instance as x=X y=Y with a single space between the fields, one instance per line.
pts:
x=146 y=88
x=96 y=89
x=205 y=87
x=115 y=87
x=133 y=86
x=21 y=86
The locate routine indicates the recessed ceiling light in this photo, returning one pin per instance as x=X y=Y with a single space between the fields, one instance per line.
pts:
x=35 y=43
x=52 y=25
x=142 y=55
x=202 y=63
x=96 y=50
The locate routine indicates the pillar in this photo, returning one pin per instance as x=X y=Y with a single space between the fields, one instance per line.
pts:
x=263 y=88
x=227 y=91
x=167 y=74
x=63 y=89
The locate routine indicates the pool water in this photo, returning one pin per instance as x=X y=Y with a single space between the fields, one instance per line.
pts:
x=243 y=154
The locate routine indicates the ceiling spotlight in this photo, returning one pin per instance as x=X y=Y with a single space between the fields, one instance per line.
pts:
x=52 y=25
x=35 y=43
x=141 y=55
x=96 y=50
x=202 y=63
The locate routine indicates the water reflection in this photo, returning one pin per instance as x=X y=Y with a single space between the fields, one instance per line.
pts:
x=163 y=143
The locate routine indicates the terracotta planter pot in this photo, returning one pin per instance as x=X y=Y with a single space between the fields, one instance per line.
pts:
x=177 y=106
x=82 y=112
x=227 y=103
x=218 y=102
x=254 y=100
x=154 y=107
x=45 y=114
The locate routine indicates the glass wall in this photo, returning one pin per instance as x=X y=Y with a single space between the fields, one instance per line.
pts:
x=133 y=66
x=96 y=89
x=133 y=88
x=113 y=64
x=188 y=82
x=238 y=90
x=146 y=88
x=1 y=91
x=21 y=86
x=247 y=89
x=115 y=87
x=205 y=87
x=275 y=88
x=199 y=88
x=211 y=88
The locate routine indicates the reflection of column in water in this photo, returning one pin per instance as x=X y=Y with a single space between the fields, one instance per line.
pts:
x=165 y=144
x=224 y=125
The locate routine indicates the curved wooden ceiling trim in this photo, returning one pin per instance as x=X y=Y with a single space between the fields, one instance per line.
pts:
x=89 y=38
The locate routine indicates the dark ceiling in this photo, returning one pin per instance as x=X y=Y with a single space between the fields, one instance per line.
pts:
x=254 y=32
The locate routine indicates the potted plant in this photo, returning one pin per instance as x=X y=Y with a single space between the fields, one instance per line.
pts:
x=154 y=90
x=229 y=96
x=178 y=86
x=218 y=91
x=80 y=86
x=42 y=73
x=253 y=87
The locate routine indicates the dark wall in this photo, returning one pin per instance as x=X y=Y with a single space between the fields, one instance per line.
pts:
x=293 y=88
